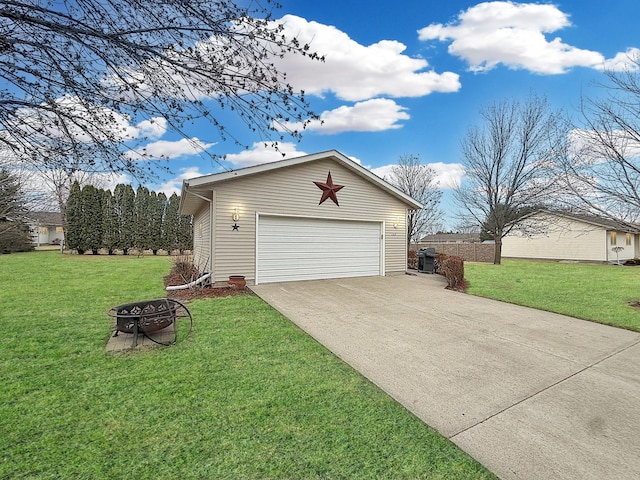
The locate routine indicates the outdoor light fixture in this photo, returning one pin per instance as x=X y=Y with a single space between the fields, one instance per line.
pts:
x=396 y=222
x=236 y=214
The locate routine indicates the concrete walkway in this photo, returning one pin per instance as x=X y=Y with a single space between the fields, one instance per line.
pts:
x=529 y=394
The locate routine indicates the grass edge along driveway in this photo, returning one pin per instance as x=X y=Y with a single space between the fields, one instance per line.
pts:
x=248 y=395
x=596 y=292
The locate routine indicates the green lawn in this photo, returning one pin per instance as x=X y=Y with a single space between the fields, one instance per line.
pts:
x=600 y=293
x=246 y=396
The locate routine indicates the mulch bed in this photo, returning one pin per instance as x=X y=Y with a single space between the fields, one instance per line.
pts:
x=206 y=292
x=186 y=294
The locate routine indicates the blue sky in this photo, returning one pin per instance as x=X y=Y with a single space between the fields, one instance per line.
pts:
x=410 y=77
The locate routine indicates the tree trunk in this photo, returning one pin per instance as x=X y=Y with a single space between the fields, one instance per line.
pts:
x=497 y=253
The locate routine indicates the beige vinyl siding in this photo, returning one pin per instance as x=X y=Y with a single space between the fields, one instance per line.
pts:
x=558 y=239
x=628 y=252
x=202 y=238
x=291 y=191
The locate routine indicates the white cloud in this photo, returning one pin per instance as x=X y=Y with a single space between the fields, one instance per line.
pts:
x=513 y=34
x=448 y=175
x=623 y=61
x=355 y=72
x=593 y=147
x=174 y=185
x=374 y=115
x=170 y=149
x=91 y=123
x=153 y=128
x=263 y=153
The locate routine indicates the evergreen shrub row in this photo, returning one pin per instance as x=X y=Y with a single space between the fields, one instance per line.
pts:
x=125 y=219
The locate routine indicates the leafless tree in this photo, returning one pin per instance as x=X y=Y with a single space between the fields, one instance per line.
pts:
x=56 y=179
x=95 y=75
x=601 y=167
x=419 y=182
x=508 y=163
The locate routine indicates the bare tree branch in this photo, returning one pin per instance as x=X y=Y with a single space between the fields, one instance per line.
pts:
x=602 y=166
x=80 y=72
x=419 y=182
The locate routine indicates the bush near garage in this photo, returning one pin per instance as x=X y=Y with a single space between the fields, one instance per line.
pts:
x=412 y=260
x=452 y=268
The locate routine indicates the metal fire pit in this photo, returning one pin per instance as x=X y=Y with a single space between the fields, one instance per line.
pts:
x=149 y=316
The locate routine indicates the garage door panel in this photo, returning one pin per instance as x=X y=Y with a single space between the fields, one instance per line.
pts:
x=316 y=261
x=288 y=276
x=305 y=249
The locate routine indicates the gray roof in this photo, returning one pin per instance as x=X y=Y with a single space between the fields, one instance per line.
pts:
x=597 y=220
x=45 y=218
x=451 y=238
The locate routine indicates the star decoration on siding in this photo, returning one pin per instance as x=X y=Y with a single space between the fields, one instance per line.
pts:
x=329 y=190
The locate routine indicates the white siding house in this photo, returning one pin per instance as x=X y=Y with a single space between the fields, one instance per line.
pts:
x=278 y=221
x=565 y=236
x=46 y=228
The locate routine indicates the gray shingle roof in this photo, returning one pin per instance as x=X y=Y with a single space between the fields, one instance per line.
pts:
x=46 y=218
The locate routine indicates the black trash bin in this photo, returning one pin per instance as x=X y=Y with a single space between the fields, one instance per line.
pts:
x=426 y=260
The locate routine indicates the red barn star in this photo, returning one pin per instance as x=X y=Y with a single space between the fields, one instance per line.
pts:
x=329 y=190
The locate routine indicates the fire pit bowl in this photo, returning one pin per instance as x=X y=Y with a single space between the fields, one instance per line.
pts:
x=148 y=316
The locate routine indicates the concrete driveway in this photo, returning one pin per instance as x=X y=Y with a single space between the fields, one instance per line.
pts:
x=529 y=394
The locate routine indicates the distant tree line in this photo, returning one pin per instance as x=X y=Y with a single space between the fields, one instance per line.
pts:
x=125 y=219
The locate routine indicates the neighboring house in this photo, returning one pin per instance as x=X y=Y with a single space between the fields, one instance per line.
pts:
x=313 y=217
x=46 y=228
x=567 y=236
x=451 y=238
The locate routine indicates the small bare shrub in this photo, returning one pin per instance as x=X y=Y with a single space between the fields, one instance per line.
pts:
x=412 y=259
x=453 y=270
x=438 y=262
x=183 y=271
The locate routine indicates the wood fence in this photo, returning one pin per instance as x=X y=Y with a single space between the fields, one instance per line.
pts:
x=470 y=252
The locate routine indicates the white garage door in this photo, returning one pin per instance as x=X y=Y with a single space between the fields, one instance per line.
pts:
x=310 y=249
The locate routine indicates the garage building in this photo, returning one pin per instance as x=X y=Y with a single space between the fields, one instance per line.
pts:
x=306 y=218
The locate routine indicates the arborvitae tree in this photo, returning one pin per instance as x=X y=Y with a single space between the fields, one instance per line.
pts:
x=110 y=221
x=171 y=223
x=74 y=219
x=156 y=213
x=161 y=215
x=125 y=219
x=91 y=218
x=14 y=232
x=185 y=232
x=124 y=198
x=141 y=218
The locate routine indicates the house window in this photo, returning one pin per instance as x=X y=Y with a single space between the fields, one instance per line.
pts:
x=628 y=239
x=614 y=238
x=44 y=230
x=59 y=230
